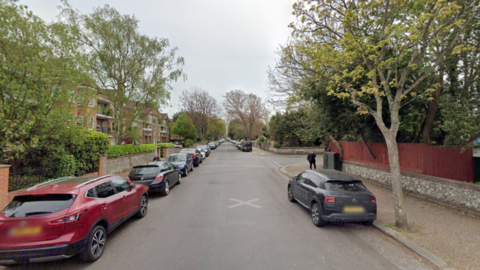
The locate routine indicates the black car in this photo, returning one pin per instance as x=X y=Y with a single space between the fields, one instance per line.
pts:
x=196 y=155
x=158 y=176
x=333 y=196
x=182 y=161
x=246 y=146
x=206 y=148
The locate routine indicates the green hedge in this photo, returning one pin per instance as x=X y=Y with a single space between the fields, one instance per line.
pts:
x=129 y=149
x=169 y=145
x=277 y=145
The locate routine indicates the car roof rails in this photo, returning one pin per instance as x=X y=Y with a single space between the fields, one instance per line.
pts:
x=50 y=182
x=95 y=179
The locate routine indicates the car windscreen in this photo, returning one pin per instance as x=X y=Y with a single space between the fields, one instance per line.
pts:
x=345 y=186
x=145 y=170
x=177 y=158
x=37 y=205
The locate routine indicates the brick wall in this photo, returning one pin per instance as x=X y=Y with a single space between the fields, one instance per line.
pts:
x=4 y=198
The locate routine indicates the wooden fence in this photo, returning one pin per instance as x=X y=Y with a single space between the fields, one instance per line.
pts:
x=444 y=162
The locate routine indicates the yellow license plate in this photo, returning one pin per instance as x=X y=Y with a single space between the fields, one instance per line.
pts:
x=353 y=209
x=26 y=231
x=148 y=187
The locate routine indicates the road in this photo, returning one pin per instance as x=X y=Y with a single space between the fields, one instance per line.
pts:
x=232 y=213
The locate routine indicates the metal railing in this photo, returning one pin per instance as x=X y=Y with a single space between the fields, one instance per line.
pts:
x=104 y=130
x=24 y=178
x=104 y=110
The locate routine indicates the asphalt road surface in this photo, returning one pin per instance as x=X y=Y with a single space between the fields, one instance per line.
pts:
x=232 y=212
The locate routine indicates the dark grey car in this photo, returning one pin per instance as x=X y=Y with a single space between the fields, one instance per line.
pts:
x=158 y=176
x=333 y=196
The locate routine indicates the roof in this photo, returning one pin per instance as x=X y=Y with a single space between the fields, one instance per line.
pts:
x=164 y=116
x=61 y=185
x=333 y=175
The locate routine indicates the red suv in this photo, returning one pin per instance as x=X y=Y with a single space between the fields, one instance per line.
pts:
x=67 y=216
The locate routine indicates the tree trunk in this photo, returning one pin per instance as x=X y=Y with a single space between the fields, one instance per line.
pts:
x=432 y=110
x=337 y=144
x=396 y=178
x=366 y=146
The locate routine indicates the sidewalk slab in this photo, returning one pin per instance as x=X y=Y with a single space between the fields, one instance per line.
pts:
x=449 y=239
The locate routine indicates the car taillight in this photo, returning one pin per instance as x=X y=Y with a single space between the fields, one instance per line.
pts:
x=69 y=218
x=159 y=178
x=194 y=156
x=128 y=179
x=373 y=199
x=329 y=199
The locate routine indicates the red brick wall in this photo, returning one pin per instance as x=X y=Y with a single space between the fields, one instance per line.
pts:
x=4 y=171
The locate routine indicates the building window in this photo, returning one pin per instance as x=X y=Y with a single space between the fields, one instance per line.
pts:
x=91 y=103
x=112 y=142
x=80 y=120
x=90 y=123
x=135 y=125
x=80 y=99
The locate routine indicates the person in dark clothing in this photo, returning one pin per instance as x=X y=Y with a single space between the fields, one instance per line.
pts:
x=311 y=158
x=156 y=158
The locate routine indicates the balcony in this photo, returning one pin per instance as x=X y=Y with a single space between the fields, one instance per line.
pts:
x=104 y=113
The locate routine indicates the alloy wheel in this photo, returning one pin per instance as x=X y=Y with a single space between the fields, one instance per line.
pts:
x=143 y=206
x=315 y=214
x=98 y=243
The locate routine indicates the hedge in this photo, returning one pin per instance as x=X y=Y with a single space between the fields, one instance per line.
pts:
x=129 y=149
x=169 y=145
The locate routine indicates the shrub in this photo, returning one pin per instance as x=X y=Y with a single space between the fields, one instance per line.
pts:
x=169 y=145
x=277 y=145
x=188 y=143
x=129 y=149
x=262 y=138
x=66 y=166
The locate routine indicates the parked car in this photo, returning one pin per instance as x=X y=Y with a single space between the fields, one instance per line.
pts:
x=238 y=144
x=212 y=146
x=196 y=155
x=203 y=153
x=158 y=176
x=206 y=148
x=182 y=161
x=246 y=146
x=67 y=216
x=177 y=145
x=333 y=196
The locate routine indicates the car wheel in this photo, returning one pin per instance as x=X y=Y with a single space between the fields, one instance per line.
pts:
x=191 y=169
x=142 y=210
x=179 y=179
x=290 y=194
x=166 y=189
x=97 y=241
x=186 y=172
x=316 y=216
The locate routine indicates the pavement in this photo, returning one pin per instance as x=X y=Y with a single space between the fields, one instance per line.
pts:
x=232 y=212
x=448 y=238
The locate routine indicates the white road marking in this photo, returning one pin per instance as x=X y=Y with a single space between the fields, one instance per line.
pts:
x=240 y=203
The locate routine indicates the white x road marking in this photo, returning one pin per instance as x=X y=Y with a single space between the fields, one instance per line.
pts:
x=240 y=203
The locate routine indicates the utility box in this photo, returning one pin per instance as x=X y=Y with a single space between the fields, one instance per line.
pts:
x=331 y=160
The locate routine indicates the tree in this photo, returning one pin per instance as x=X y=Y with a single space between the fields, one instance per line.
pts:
x=236 y=130
x=248 y=109
x=216 y=128
x=40 y=66
x=127 y=66
x=185 y=128
x=394 y=45
x=200 y=107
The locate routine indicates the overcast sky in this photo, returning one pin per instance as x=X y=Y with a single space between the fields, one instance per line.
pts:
x=227 y=44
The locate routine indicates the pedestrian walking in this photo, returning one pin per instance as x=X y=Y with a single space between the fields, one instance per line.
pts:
x=311 y=158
